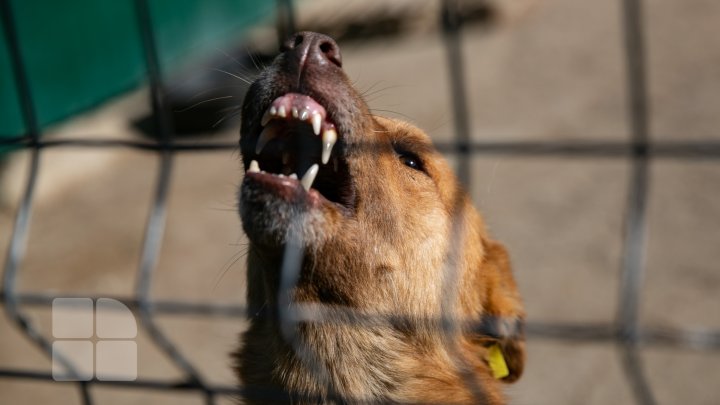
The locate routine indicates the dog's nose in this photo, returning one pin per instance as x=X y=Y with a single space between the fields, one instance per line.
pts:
x=313 y=48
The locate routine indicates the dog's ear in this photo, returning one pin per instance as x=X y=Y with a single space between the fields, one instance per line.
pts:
x=501 y=330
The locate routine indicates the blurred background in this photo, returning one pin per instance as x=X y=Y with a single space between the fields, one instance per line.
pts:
x=592 y=130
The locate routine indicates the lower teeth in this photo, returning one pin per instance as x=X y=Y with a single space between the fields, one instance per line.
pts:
x=307 y=179
x=309 y=176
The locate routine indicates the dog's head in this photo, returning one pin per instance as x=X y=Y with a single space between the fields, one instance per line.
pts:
x=384 y=225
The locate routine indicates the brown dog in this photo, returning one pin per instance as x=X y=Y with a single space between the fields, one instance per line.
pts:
x=371 y=278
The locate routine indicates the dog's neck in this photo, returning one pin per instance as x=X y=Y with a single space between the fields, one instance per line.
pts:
x=312 y=359
x=351 y=359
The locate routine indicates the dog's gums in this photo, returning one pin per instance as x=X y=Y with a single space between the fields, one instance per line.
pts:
x=414 y=302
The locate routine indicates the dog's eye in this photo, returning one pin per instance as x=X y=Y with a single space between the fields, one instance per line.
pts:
x=409 y=158
x=411 y=161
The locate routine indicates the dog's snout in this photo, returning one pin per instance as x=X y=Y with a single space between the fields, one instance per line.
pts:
x=313 y=48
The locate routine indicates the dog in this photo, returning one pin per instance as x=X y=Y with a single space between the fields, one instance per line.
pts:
x=371 y=277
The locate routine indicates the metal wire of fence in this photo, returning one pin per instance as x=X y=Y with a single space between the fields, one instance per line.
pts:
x=640 y=150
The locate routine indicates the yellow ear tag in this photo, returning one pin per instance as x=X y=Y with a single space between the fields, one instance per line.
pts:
x=497 y=363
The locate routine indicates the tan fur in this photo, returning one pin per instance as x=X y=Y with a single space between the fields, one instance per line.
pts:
x=400 y=285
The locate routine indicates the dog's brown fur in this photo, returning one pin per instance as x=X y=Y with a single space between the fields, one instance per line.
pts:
x=406 y=273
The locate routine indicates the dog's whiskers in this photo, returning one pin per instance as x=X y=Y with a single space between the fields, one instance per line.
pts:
x=229 y=264
x=204 y=101
x=391 y=112
x=216 y=88
x=229 y=56
x=259 y=310
x=258 y=65
x=368 y=93
x=233 y=75
x=226 y=117
x=246 y=71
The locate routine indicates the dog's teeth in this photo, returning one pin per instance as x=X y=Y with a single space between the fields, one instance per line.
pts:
x=266 y=117
x=304 y=114
x=329 y=138
x=254 y=167
x=295 y=112
x=309 y=176
x=316 y=122
x=265 y=136
x=293 y=176
x=281 y=111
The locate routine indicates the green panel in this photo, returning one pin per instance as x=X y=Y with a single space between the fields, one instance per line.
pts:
x=193 y=28
x=10 y=118
x=79 y=53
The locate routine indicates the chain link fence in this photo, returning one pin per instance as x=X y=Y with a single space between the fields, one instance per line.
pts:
x=625 y=332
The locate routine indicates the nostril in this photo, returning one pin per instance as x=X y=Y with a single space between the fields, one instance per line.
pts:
x=326 y=47
x=318 y=46
x=331 y=51
x=298 y=40
x=292 y=43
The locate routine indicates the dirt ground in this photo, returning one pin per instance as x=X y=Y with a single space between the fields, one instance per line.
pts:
x=555 y=72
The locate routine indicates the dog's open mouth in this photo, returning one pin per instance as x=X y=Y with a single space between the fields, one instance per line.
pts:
x=298 y=148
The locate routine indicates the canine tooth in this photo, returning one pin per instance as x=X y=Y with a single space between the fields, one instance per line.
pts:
x=309 y=176
x=295 y=112
x=329 y=138
x=254 y=167
x=266 y=118
x=281 y=111
x=316 y=122
x=293 y=176
x=265 y=136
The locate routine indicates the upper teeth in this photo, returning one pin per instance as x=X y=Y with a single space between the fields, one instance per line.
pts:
x=328 y=140
x=329 y=137
x=314 y=118
x=316 y=123
x=303 y=108
x=267 y=134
